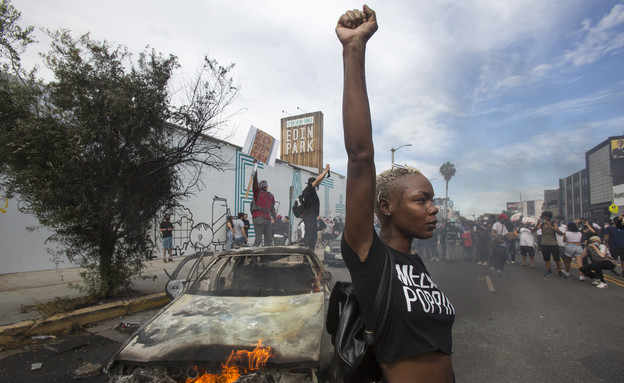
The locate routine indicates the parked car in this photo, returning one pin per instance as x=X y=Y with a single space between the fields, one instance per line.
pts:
x=265 y=304
x=332 y=254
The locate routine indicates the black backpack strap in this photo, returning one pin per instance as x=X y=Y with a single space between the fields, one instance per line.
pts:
x=385 y=288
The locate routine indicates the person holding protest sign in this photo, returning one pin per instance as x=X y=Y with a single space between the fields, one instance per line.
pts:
x=262 y=210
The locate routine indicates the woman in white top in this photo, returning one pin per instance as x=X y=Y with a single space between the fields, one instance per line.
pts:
x=572 y=238
x=527 y=244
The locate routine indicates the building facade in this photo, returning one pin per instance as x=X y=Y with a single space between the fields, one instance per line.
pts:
x=199 y=222
x=574 y=195
x=605 y=166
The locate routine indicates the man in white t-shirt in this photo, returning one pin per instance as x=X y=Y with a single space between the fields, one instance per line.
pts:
x=500 y=247
x=240 y=235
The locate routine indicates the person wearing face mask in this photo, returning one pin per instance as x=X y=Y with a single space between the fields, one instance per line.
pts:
x=262 y=211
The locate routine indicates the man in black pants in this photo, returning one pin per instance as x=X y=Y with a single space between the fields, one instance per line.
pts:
x=310 y=202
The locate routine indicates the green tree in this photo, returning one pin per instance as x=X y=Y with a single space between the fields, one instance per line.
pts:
x=13 y=38
x=105 y=149
x=447 y=170
x=17 y=88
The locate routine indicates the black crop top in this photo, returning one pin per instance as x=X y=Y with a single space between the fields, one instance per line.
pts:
x=422 y=317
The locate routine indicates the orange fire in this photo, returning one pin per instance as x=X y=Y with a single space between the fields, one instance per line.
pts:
x=238 y=363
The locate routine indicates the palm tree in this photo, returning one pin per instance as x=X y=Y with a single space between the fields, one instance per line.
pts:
x=448 y=171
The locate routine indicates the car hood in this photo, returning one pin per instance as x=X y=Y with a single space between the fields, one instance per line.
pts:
x=207 y=328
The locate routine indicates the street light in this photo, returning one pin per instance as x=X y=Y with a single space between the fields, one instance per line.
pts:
x=395 y=149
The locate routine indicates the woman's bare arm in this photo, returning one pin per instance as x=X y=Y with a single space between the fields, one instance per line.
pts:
x=354 y=29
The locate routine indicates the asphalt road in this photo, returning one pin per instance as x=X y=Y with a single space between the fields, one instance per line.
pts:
x=521 y=327
x=525 y=327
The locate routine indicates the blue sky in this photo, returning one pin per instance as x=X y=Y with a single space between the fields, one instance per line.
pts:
x=512 y=93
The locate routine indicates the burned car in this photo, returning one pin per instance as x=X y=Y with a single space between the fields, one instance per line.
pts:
x=247 y=315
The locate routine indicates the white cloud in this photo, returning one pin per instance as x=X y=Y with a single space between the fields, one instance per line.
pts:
x=599 y=40
x=471 y=82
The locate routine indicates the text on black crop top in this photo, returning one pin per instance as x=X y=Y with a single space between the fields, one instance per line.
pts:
x=422 y=316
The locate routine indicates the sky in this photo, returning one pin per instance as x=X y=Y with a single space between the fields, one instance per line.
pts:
x=513 y=93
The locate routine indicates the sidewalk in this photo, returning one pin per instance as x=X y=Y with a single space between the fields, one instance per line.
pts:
x=18 y=290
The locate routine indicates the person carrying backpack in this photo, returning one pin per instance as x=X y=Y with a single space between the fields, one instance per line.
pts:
x=311 y=204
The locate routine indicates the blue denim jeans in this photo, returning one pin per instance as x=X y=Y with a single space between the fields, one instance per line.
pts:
x=229 y=240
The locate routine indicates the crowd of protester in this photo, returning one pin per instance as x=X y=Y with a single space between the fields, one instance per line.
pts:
x=495 y=242
x=579 y=244
x=237 y=231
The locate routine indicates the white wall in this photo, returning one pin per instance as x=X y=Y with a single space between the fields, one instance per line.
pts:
x=199 y=223
x=22 y=249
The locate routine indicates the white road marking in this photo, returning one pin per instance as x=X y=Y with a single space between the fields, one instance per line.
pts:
x=488 y=280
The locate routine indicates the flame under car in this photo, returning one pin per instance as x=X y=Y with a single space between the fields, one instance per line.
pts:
x=276 y=296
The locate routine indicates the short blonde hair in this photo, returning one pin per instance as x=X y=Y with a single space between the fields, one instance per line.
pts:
x=388 y=183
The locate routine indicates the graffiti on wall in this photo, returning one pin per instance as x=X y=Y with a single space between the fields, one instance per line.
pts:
x=190 y=236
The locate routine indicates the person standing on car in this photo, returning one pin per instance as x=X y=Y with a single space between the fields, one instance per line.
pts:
x=262 y=211
x=311 y=203
x=416 y=345
x=166 y=230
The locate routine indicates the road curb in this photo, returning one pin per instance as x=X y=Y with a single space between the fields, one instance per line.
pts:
x=63 y=322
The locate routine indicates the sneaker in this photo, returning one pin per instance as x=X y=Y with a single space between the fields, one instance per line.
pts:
x=581 y=278
x=479 y=263
x=512 y=262
x=170 y=259
x=596 y=282
x=548 y=273
x=602 y=285
x=164 y=260
x=564 y=274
